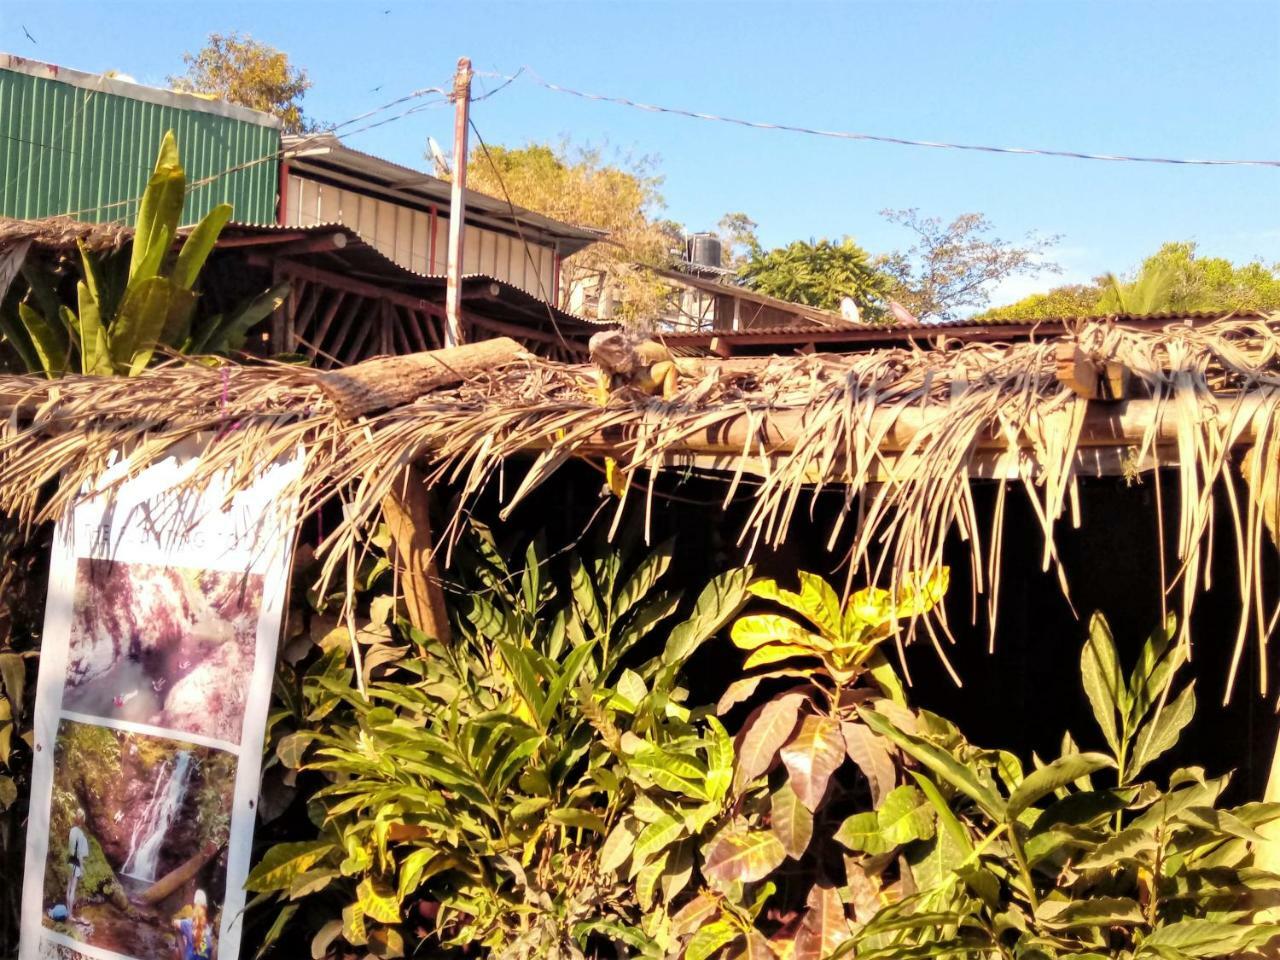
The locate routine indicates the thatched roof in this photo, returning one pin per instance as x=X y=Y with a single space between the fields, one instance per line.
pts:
x=902 y=432
x=60 y=234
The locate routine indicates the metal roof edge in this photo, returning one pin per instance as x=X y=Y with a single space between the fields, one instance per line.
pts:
x=319 y=147
x=132 y=90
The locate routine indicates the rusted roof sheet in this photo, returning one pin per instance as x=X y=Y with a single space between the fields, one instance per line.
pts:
x=797 y=337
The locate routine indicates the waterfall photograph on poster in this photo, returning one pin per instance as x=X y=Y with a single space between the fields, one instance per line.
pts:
x=165 y=646
x=138 y=830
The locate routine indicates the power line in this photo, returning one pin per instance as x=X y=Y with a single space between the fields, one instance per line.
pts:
x=875 y=138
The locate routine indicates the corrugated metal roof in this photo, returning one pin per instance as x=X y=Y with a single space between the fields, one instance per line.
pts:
x=317 y=152
x=82 y=146
x=360 y=260
x=797 y=337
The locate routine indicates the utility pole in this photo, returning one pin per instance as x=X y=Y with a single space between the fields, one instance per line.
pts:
x=457 y=203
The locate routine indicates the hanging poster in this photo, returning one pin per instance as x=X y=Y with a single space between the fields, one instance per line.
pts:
x=156 y=667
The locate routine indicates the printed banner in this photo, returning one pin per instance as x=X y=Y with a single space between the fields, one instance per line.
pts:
x=155 y=674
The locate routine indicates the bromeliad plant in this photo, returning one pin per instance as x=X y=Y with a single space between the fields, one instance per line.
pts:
x=485 y=792
x=123 y=318
x=1050 y=863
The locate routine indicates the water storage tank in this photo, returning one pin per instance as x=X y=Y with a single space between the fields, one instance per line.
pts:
x=703 y=250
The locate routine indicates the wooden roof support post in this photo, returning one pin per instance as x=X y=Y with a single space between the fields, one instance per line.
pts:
x=408 y=514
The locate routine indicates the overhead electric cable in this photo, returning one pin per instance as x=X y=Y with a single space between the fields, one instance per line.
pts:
x=872 y=137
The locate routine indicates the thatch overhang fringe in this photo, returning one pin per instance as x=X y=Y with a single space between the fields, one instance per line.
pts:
x=900 y=433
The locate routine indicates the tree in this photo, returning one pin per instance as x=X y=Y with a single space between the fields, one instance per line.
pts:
x=738 y=241
x=1174 y=278
x=1068 y=300
x=819 y=274
x=952 y=266
x=238 y=69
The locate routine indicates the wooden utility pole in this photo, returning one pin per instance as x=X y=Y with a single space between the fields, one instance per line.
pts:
x=457 y=202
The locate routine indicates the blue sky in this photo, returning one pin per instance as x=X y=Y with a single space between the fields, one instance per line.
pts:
x=1182 y=79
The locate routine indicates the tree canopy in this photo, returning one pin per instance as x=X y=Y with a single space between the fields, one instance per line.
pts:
x=952 y=266
x=818 y=273
x=1174 y=278
x=576 y=184
x=238 y=69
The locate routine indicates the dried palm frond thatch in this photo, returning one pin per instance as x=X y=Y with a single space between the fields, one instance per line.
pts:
x=903 y=432
x=61 y=234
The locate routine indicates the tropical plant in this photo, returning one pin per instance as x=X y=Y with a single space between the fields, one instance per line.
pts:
x=486 y=792
x=1048 y=863
x=123 y=317
x=809 y=730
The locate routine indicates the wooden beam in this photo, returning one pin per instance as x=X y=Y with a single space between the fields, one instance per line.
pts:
x=407 y=513
x=293 y=269
x=1090 y=377
x=394 y=381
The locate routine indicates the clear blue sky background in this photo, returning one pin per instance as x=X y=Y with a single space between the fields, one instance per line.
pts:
x=1182 y=79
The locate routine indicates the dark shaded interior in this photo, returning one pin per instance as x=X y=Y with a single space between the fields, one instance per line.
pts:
x=1025 y=694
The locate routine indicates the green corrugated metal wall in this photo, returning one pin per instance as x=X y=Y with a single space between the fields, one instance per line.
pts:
x=68 y=150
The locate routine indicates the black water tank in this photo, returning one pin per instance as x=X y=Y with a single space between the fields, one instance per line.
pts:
x=703 y=249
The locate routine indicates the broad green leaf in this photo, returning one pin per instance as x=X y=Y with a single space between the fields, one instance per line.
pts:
x=139 y=323
x=1154 y=669
x=759 y=629
x=1103 y=685
x=743 y=855
x=1093 y=912
x=948 y=822
x=775 y=652
x=619 y=844
x=198 y=245
x=646 y=880
x=764 y=734
x=657 y=836
x=159 y=213
x=585 y=601
x=48 y=338
x=13 y=676
x=1128 y=846
x=283 y=862
x=812 y=756
x=13 y=330
x=380 y=904
x=1059 y=773
x=709 y=939
x=720 y=599
x=646 y=576
x=418 y=866
x=8 y=792
x=1162 y=731
x=580 y=819
x=943 y=765
x=679 y=870
x=1209 y=938
x=817 y=602
x=871 y=754
x=861 y=831
x=905 y=816
x=719 y=759
x=791 y=821
x=290 y=749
